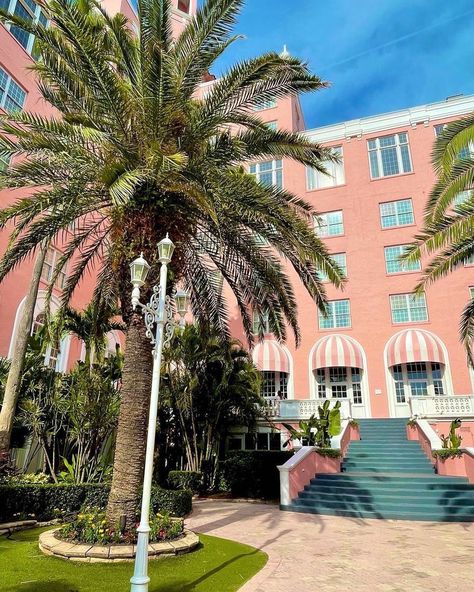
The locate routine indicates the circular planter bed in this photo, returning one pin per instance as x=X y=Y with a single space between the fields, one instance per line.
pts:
x=51 y=545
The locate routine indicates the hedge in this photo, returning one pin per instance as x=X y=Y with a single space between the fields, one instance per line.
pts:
x=185 y=480
x=253 y=474
x=47 y=501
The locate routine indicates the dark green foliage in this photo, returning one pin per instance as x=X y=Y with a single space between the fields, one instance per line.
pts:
x=452 y=441
x=253 y=474
x=185 y=480
x=445 y=453
x=329 y=452
x=48 y=501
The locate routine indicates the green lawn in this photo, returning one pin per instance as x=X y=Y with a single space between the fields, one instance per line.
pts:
x=218 y=565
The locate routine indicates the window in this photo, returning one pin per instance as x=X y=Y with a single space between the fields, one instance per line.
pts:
x=340 y=260
x=273 y=125
x=4 y=162
x=389 y=155
x=263 y=104
x=393 y=263
x=263 y=441
x=463 y=197
x=335 y=173
x=28 y=11
x=419 y=379
x=408 y=308
x=274 y=384
x=339 y=383
x=184 y=5
x=50 y=263
x=465 y=152
x=338 y=314
x=469 y=261
x=396 y=213
x=12 y=96
x=51 y=354
x=329 y=224
x=260 y=322
x=471 y=292
x=268 y=173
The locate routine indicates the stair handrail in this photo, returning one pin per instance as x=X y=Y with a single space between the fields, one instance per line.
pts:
x=429 y=433
x=286 y=468
x=337 y=440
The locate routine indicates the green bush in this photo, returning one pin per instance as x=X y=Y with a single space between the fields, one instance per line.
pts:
x=253 y=474
x=185 y=480
x=329 y=452
x=44 y=501
x=48 y=501
x=445 y=453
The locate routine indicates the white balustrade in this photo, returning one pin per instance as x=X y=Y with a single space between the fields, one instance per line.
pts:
x=304 y=408
x=443 y=406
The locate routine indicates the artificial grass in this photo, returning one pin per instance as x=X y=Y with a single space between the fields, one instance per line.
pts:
x=218 y=565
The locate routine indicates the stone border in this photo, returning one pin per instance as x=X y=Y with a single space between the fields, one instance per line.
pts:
x=10 y=527
x=50 y=545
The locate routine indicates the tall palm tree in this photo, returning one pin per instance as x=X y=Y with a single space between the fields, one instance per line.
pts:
x=135 y=154
x=448 y=231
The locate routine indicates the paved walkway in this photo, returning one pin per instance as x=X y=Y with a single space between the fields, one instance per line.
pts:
x=308 y=553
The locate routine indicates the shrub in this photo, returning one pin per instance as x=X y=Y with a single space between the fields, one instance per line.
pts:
x=185 y=480
x=253 y=474
x=91 y=527
x=29 y=479
x=445 y=453
x=354 y=423
x=329 y=452
x=48 y=501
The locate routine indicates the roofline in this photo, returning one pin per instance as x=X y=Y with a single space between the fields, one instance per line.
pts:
x=423 y=114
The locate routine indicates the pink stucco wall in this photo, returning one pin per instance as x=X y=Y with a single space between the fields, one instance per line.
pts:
x=466 y=431
x=307 y=469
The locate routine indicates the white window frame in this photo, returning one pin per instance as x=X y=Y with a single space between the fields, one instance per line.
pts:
x=397 y=214
x=281 y=380
x=327 y=385
x=188 y=12
x=35 y=16
x=429 y=380
x=401 y=263
x=273 y=125
x=256 y=321
x=322 y=227
x=55 y=256
x=378 y=150
x=8 y=84
x=316 y=180
x=438 y=130
x=331 y=304
x=407 y=297
x=277 y=166
x=48 y=352
x=264 y=104
x=342 y=256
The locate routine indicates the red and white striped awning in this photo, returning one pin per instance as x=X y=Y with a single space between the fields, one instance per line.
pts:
x=337 y=350
x=414 y=345
x=270 y=356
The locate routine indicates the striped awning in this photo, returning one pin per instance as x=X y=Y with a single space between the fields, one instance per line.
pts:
x=414 y=345
x=337 y=350
x=270 y=356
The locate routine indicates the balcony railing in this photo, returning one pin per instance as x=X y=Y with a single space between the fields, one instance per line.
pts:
x=301 y=408
x=443 y=406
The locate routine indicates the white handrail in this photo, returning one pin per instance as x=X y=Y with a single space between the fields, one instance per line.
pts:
x=431 y=435
x=337 y=440
x=291 y=463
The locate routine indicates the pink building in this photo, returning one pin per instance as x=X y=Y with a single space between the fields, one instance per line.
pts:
x=379 y=350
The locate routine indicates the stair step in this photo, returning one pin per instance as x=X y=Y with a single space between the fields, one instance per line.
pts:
x=404 y=496
x=384 y=505
x=433 y=481
x=397 y=515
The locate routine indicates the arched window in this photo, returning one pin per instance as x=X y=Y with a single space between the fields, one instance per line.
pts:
x=52 y=355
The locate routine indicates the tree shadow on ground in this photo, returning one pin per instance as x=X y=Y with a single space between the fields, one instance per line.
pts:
x=44 y=586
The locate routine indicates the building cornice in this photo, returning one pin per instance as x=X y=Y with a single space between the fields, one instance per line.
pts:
x=411 y=117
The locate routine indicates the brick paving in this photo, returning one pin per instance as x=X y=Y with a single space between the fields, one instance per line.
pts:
x=332 y=554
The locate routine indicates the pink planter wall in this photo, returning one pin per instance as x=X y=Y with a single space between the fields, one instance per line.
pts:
x=455 y=467
x=314 y=463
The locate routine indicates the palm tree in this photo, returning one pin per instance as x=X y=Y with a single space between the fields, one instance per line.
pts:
x=91 y=326
x=135 y=154
x=448 y=231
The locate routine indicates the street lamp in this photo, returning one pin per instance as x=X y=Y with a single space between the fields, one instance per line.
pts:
x=160 y=327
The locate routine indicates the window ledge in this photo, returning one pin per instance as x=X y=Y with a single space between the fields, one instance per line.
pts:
x=397 y=273
x=392 y=176
x=397 y=227
x=411 y=323
x=326 y=188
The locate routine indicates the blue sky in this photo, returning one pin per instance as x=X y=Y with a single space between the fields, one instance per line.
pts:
x=380 y=55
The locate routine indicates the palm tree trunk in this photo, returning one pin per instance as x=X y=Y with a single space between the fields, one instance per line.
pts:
x=131 y=432
x=12 y=388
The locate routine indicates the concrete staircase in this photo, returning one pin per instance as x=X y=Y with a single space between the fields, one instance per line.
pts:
x=386 y=476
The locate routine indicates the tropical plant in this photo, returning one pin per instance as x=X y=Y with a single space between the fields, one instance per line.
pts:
x=135 y=154
x=211 y=385
x=318 y=430
x=448 y=231
x=452 y=441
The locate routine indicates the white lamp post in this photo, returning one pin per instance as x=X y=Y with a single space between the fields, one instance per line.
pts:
x=158 y=320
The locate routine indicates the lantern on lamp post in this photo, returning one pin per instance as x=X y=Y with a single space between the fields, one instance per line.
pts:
x=159 y=321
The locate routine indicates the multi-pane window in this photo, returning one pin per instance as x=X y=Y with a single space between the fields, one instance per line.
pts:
x=49 y=266
x=51 y=354
x=408 y=308
x=339 y=383
x=465 y=152
x=335 y=173
x=471 y=292
x=396 y=213
x=337 y=315
x=260 y=323
x=268 y=384
x=262 y=441
x=274 y=384
x=418 y=379
x=273 y=125
x=329 y=224
x=268 y=173
x=394 y=264
x=463 y=197
x=12 y=96
x=389 y=155
x=341 y=261
x=263 y=104
x=29 y=11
